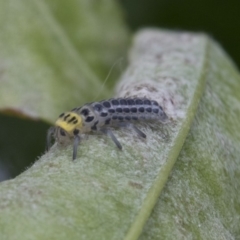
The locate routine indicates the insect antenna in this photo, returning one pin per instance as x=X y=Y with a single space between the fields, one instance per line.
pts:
x=106 y=79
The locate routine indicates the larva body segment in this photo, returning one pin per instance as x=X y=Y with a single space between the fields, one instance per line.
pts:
x=98 y=116
x=110 y=112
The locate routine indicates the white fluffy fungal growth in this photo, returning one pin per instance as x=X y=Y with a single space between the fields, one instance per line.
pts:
x=161 y=67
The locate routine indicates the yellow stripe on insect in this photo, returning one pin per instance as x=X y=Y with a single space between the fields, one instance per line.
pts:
x=69 y=122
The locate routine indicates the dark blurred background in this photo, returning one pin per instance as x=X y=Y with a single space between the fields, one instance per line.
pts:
x=218 y=18
x=21 y=142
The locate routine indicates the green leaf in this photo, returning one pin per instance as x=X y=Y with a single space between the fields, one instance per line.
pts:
x=107 y=193
x=201 y=198
x=56 y=54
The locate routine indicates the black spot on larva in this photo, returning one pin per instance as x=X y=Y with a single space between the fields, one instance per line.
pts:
x=155 y=110
x=97 y=107
x=126 y=110
x=107 y=121
x=85 y=112
x=66 y=117
x=72 y=119
x=111 y=110
x=76 y=131
x=62 y=132
x=75 y=122
x=115 y=102
x=160 y=108
x=106 y=104
x=133 y=110
x=149 y=109
x=103 y=114
x=128 y=118
x=94 y=127
x=147 y=102
x=139 y=102
x=61 y=115
x=89 y=119
x=134 y=118
x=154 y=103
x=114 y=117
x=123 y=102
x=141 y=109
x=130 y=102
x=119 y=110
x=120 y=118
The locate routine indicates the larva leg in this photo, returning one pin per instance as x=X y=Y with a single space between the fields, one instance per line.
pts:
x=75 y=145
x=130 y=125
x=49 y=137
x=109 y=133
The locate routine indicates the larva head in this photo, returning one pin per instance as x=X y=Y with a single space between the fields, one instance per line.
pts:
x=70 y=122
x=67 y=126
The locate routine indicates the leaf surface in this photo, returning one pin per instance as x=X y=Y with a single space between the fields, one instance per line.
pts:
x=53 y=54
x=201 y=198
x=107 y=193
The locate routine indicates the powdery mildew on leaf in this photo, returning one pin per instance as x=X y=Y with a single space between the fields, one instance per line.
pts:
x=201 y=199
x=112 y=191
x=154 y=71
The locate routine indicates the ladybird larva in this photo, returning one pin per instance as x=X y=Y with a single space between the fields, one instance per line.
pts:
x=98 y=116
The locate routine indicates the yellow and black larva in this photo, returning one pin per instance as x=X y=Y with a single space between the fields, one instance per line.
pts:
x=99 y=116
